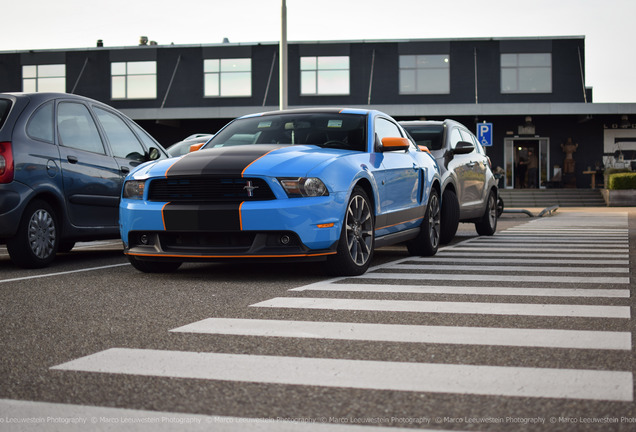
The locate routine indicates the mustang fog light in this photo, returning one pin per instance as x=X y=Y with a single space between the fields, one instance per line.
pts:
x=303 y=187
x=134 y=189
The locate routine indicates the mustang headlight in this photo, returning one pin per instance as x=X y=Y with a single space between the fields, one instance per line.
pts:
x=134 y=189
x=303 y=187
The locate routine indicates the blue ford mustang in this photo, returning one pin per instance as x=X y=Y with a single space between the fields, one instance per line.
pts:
x=323 y=184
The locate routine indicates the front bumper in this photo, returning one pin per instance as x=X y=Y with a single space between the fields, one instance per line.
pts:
x=280 y=228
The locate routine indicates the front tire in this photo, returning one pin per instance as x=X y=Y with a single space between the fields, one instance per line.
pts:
x=154 y=266
x=427 y=241
x=450 y=216
x=487 y=225
x=37 y=239
x=357 y=238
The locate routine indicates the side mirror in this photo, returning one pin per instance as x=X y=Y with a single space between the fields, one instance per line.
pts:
x=195 y=147
x=394 y=144
x=464 y=147
x=424 y=149
x=154 y=154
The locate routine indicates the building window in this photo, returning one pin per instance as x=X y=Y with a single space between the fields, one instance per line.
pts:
x=425 y=74
x=227 y=77
x=44 y=78
x=134 y=80
x=324 y=75
x=526 y=73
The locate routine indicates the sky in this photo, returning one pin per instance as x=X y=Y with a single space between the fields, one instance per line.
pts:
x=607 y=25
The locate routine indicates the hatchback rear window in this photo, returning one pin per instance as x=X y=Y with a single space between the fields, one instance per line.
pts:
x=5 y=107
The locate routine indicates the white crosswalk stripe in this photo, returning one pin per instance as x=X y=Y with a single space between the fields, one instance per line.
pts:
x=568 y=267
x=362 y=374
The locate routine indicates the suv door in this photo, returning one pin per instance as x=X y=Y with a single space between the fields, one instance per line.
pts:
x=92 y=180
x=459 y=166
x=480 y=168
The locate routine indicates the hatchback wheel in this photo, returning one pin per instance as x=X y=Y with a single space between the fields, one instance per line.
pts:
x=487 y=225
x=355 y=247
x=37 y=239
x=427 y=241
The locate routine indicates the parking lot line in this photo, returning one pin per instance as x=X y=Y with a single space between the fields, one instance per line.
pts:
x=62 y=273
x=546 y=338
x=363 y=374
x=525 y=309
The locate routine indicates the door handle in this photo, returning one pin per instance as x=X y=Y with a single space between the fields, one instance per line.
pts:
x=72 y=159
x=125 y=169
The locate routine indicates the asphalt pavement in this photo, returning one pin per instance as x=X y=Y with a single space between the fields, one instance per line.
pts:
x=530 y=329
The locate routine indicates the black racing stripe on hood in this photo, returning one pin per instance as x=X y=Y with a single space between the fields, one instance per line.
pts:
x=220 y=161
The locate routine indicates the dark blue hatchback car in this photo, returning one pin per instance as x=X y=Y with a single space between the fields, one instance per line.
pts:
x=63 y=159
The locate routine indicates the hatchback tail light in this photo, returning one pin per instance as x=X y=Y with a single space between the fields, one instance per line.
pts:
x=6 y=162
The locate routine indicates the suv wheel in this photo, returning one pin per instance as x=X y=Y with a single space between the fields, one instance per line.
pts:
x=37 y=240
x=449 y=217
x=487 y=225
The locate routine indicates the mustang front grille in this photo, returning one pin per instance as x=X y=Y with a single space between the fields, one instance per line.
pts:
x=209 y=189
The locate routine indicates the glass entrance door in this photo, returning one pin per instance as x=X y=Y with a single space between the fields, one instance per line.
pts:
x=526 y=162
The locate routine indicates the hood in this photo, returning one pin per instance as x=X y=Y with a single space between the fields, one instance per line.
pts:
x=244 y=160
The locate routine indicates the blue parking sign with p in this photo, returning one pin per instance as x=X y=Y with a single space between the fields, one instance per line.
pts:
x=484 y=133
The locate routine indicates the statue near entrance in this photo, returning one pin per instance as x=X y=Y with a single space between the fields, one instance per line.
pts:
x=569 y=177
x=568 y=163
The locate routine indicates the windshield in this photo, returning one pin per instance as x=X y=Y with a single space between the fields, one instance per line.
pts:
x=429 y=135
x=332 y=130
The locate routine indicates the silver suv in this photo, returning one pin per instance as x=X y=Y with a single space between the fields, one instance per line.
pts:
x=469 y=188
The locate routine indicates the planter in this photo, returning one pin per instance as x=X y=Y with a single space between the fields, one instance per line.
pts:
x=619 y=198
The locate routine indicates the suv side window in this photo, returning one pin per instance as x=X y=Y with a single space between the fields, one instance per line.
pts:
x=123 y=141
x=40 y=125
x=455 y=137
x=478 y=146
x=77 y=129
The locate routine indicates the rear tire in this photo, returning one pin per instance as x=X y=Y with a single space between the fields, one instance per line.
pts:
x=37 y=239
x=357 y=238
x=487 y=225
x=427 y=241
x=154 y=266
x=450 y=217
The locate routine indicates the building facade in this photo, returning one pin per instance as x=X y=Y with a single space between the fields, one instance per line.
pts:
x=532 y=91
